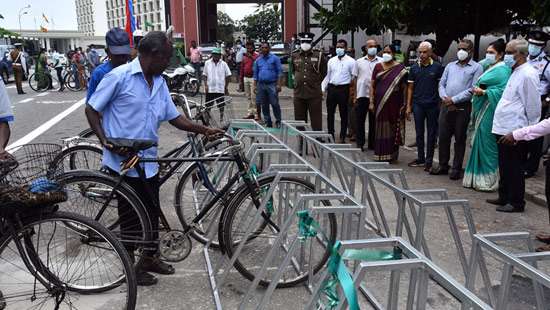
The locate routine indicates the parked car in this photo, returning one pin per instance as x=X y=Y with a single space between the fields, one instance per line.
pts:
x=206 y=51
x=281 y=50
x=6 y=68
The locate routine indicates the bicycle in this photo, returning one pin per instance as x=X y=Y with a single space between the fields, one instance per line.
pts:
x=44 y=261
x=232 y=203
x=50 y=80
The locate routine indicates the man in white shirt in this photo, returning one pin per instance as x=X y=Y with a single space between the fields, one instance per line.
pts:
x=341 y=73
x=216 y=73
x=365 y=66
x=518 y=107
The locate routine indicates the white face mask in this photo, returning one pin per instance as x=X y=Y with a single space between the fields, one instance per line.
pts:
x=305 y=46
x=386 y=57
x=372 y=51
x=340 y=52
x=462 y=55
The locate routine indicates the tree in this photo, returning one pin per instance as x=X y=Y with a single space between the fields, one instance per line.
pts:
x=449 y=20
x=225 y=28
x=6 y=32
x=264 y=24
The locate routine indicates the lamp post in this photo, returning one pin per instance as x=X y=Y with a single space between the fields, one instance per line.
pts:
x=21 y=13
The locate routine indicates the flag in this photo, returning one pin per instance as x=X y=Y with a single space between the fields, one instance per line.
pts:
x=148 y=24
x=43 y=29
x=45 y=18
x=130 y=21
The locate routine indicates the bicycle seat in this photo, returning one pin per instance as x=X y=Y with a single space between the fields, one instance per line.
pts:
x=133 y=144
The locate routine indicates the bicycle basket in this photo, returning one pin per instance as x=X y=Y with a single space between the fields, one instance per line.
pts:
x=218 y=112
x=32 y=181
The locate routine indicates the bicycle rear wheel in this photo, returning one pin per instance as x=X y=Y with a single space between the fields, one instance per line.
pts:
x=239 y=215
x=80 y=156
x=47 y=260
x=35 y=85
x=71 y=81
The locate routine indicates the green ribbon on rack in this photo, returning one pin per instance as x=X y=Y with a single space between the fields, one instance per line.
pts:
x=339 y=274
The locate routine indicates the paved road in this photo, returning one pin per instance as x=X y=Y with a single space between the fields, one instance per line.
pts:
x=47 y=117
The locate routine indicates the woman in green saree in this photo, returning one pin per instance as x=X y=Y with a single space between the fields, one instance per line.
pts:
x=482 y=168
x=40 y=70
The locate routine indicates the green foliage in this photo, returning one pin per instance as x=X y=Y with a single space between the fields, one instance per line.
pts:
x=7 y=32
x=264 y=24
x=449 y=20
x=226 y=27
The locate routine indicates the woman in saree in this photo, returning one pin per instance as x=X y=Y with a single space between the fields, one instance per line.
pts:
x=40 y=70
x=482 y=169
x=387 y=89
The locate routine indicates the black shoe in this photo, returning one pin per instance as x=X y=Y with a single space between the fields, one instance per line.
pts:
x=155 y=265
x=510 y=209
x=497 y=202
x=428 y=167
x=416 y=163
x=529 y=174
x=21 y=93
x=277 y=124
x=145 y=279
x=455 y=175
x=439 y=171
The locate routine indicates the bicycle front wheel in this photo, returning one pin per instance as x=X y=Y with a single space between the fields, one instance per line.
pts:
x=48 y=263
x=311 y=253
x=37 y=85
x=71 y=81
x=80 y=156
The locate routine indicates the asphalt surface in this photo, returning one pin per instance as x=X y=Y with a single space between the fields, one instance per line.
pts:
x=189 y=287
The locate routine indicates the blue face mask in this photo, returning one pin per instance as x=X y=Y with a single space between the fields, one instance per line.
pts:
x=534 y=50
x=340 y=52
x=490 y=58
x=509 y=60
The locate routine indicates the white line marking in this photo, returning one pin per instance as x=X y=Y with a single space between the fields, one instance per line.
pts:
x=42 y=94
x=26 y=100
x=10 y=87
x=44 y=127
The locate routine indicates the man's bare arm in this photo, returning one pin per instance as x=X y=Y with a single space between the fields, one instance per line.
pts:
x=94 y=120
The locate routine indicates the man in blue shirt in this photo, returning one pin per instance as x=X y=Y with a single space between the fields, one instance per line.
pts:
x=118 y=50
x=267 y=84
x=455 y=92
x=6 y=116
x=134 y=100
x=423 y=102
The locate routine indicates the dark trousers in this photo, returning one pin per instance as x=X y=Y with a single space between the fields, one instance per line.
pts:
x=453 y=123
x=426 y=115
x=197 y=67
x=534 y=150
x=511 y=186
x=362 y=109
x=18 y=73
x=338 y=96
x=59 y=71
x=148 y=192
x=311 y=106
x=547 y=186
x=267 y=95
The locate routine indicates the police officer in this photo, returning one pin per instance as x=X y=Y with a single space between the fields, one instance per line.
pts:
x=539 y=60
x=309 y=67
x=19 y=66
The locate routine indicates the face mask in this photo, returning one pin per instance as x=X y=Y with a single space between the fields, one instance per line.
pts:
x=462 y=55
x=509 y=60
x=490 y=58
x=305 y=47
x=340 y=52
x=372 y=51
x=387 y=57
x=534 y=50
x=239 y=46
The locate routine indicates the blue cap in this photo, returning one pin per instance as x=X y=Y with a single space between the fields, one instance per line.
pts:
x=118 y=42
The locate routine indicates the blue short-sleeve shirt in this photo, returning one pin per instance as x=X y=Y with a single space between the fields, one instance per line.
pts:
x=97 y=76
x=426 y=82
x=132 y=110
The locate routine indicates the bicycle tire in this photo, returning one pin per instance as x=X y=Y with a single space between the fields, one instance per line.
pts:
x=34 y=86
x=99 y=187
x=70 y=82
x=229 y=245
x=45 y=274
x=79 y=156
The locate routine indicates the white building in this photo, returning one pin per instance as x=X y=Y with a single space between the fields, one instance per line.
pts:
x=91 y=17
x=145 y=11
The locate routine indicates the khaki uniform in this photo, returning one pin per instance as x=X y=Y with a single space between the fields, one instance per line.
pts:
x=16 y=56
x=309 y=70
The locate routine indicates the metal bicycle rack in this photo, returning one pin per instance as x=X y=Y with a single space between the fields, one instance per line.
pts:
x=416 y=263
x=525 y=263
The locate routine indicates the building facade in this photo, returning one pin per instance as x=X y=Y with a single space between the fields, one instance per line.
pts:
x=91 y=18
x=146 y=12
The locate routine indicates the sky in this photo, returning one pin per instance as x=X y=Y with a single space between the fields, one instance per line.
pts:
x=62 y=14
